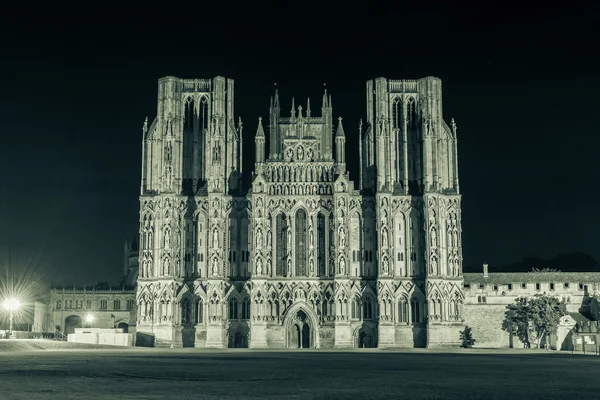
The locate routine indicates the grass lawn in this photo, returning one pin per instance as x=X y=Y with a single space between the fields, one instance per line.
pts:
x=139 y=373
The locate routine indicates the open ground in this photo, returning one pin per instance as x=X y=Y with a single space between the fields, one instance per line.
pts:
x=37 y=370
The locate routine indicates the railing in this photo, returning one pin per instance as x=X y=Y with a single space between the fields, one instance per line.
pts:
x=405 y=85
x=197 y=85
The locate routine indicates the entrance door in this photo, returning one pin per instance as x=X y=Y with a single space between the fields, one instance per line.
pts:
x=305 y=336
x=296 y=337
x=364 y=340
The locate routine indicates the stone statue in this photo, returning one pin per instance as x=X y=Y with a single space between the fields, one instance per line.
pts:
x=289 y=238
x=311 y=236
x=342 y=266
x=310 y=154
x=258 y=238
x=268 y=238
x=384 y=238
x=300 y=153
x=290 y=154
x=215 y=238
x=288 y=272
x=168 y=178
x=166 y=266
x=342 y=237
x=259 y=266
x=385 y=266
x=167 y=238
x=215 y=266
x=312 y=265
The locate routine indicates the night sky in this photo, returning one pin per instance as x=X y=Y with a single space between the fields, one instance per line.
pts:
x=522 y=85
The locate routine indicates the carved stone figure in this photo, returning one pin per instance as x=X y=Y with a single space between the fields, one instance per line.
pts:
x=215 y=242
x=342 y=237
x=342 y=266
x=259 y=266
x=258 y=238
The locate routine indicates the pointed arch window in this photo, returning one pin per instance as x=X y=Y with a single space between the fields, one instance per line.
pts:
x=199 y=315
x=189 y=114
x=281 y=226
x=403 y=310
x=411 y=113
x=396 y=112
x=186 y=312
x=321 y=244
x=233 y=309
x=300 y=243
x=203 y=113
x=415 y=311
x=367 y=309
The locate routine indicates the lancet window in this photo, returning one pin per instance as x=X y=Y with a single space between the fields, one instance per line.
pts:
x=321 y=244
x=301 y=243
x=396 y=112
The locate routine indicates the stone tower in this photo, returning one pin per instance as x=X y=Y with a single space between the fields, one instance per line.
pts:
x=303 y=258
x=409 y=163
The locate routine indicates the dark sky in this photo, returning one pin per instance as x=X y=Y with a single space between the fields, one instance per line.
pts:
x=521 y=83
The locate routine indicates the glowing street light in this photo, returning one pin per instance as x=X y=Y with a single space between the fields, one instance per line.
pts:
x=89 y=319
x=11 y=305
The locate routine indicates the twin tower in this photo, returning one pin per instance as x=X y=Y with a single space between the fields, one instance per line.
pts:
x=306 y=258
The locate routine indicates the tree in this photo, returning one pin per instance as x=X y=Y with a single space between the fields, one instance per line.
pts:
x=532 y=320
x=466 y=338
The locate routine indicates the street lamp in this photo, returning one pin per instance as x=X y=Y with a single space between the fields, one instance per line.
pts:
x=11 y=305
x=89 y=319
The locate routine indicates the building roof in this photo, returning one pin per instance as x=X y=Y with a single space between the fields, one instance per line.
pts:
x=503 y=278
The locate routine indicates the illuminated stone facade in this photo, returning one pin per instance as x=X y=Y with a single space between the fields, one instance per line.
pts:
x=306 y=257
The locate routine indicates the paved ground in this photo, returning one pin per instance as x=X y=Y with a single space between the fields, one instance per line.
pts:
x=139 y=373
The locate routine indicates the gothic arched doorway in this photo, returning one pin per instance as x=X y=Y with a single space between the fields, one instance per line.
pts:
x=364 y=340
x=299 y=331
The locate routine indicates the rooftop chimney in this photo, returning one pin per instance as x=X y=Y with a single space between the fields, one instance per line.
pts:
x=485 y=270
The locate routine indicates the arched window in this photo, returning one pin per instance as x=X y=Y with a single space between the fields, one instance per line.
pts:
x=88 y=304
x=281 y=227
x=117 y=304
x=58 y=304
x=415 y=311
x=411 y=113
x=199 y=311
x=203 y=113
x=396 y=112
x=233 y=309
x=321 y=244
x=403 y=310
x=189 y=114
x=300 y=243
x=246 y=308
x=186 y=312
x=367 y=309
x=130 y=303
x=103 y=304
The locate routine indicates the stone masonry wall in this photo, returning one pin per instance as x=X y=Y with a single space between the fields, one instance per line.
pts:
x=486 y=323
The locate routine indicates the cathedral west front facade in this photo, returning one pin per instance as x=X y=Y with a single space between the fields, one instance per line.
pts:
x=307 y=257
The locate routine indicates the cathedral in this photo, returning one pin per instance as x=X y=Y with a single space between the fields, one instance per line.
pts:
x=302 y=256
